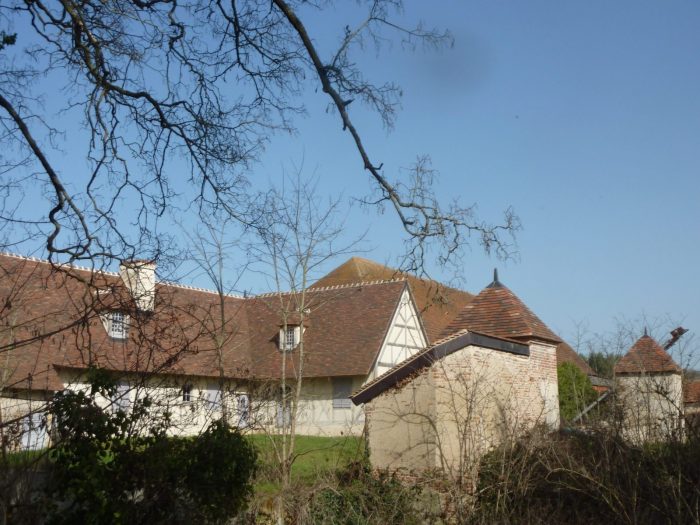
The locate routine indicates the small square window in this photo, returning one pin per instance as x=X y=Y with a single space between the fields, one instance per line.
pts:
x=187 y=393
x=118 y=325
x=289 y=337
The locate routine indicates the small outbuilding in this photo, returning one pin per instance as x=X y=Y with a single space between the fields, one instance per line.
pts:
x=649 y=390
x=492 y=376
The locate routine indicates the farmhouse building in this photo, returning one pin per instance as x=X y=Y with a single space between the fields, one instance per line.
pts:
x=492 y=375
x=200 y=353
x=193 y=351
x=691 y=404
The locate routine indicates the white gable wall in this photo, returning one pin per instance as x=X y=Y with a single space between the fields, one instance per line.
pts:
x=404 y=338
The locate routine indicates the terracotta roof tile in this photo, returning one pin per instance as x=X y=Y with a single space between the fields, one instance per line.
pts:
x=646 y=355
x=346 y=328
x=51 y=317
x=499 y=312
x=438 y=304
x=691 y=392
x=566 y=354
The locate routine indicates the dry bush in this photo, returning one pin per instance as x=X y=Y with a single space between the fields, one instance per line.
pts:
x=585 y=478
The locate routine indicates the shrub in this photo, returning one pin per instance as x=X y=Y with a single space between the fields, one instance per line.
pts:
x=358 y=498
x=575 y=390
x=587 y=478
x=103 y=472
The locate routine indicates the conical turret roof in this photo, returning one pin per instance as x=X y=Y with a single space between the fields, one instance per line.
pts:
x=646 y=356
x=499 y=312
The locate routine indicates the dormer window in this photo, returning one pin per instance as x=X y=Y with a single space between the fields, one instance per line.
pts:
x=289 y=337
x=118 y=325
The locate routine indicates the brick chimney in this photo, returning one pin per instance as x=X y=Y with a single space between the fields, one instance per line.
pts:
x=140 y=279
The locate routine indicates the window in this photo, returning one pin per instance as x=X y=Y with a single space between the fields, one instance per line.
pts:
x=289 y=337
x=243 y=410
x=284 y=408
x=342 y=388
x=213 y=397
x=120 y=399
x=187 y=393
x=118 y=325
x=34 y=435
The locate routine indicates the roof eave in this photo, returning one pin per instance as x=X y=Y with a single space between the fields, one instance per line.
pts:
x=431 y=355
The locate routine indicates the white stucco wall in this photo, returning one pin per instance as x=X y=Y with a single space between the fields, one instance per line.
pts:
x=651 y=406
x=166 y=394
x=316 y=414
x=24 y=423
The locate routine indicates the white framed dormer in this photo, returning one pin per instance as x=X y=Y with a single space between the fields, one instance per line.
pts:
x=116 y=324
x=289 y=337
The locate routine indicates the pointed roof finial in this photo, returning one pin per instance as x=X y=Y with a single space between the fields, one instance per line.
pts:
x=646 y=334
x=496 y=283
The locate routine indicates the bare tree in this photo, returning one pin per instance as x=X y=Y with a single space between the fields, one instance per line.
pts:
x=202 y=84
x=210 y=249
x=299 y=235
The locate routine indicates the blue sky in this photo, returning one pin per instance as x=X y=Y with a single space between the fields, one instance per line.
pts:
x=582 y=116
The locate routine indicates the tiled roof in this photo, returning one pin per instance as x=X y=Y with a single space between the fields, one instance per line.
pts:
x=51 y=317
x=566 y=354
x=499 y=312
x=438 y=304
x=345 y=330
x=346 y=326
x=646 y=355
x=691 y=392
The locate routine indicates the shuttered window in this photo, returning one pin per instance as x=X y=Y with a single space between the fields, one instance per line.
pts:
x=342 y=389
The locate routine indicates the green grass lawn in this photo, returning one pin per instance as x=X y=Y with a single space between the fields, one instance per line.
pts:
x=316 y=456
x=25 y=457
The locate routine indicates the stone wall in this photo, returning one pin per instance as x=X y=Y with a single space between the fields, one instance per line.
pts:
x=449 y=415
x=401 y=426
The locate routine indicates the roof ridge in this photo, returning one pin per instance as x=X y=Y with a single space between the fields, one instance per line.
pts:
x=199 y=289
x=332 y=287
x=65 y=265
